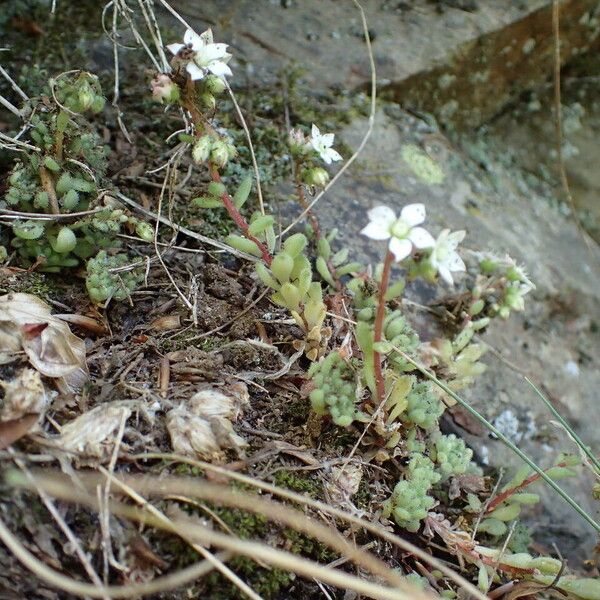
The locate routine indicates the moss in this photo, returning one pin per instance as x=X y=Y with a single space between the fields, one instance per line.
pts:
x=422 y=165
x=267 y=583
x=38 y=284
x=298 y=483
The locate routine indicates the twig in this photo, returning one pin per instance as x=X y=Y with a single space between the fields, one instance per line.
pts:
x=79 y=588
x=179 y=228
x=48 y=185
x=13 y=83
x=209 y=556
x=10 y=106
x=326 y=509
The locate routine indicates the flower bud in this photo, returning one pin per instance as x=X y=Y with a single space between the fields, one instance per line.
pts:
x=207 y=100
x=145 y=231
x=85 y=96
x=65 y=241
x=298 y=143
x=220 y=153
x=164 y=90
x=316 y=176
x=201 y=150
x=215 y=85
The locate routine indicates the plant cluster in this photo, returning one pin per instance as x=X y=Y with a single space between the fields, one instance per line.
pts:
x=335 y=389
x=403 y=408
x=60 y=173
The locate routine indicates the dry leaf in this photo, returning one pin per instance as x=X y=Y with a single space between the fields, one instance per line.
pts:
x=342 y=484
x=27 y=325
x=92 y=434
x=166 y=323
x=224 y=402
x=191 y=435
x=202 y=425
x=23 y=395
x=11 y=431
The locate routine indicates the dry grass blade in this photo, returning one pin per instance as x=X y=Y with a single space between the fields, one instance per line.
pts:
x=188 y=232
x=327 y=509
x=250 y=502
x=506 y=441
x=218 y=564
x=116 y=592
x=60 y=487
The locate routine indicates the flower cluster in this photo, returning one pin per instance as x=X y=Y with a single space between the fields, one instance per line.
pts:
x=203 y=55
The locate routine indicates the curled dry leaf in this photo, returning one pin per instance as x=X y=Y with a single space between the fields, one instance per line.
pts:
x=92 y=435
x=202 y=425
x=191 y=435
x=11 y=431
x=23 y=395
x=342 y=484
x=166 y=323
x=27 y=325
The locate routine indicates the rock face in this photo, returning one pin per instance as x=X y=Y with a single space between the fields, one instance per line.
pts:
x=461 y=64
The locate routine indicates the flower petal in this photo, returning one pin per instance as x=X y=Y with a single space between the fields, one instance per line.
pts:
x=456 y=237
x=195 y=71
x=400 y=248
x=207 y=36
x=315 y=133
x=327 y=139
x=334 y=155
x=383 y=215
x=421 y=238
x=220 y=69
x=413 y=214
x=375 y=231
x=192 y=39
x=455 y=262
x=445 y=274
x=212 y=52
x=175 y=48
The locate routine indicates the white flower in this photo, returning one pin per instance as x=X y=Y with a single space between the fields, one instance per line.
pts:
x=444 y=257
x=322 y=144
x=402 y=232
x=207 y=56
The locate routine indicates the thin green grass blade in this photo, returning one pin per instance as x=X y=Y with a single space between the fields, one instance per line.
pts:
x=586 y=449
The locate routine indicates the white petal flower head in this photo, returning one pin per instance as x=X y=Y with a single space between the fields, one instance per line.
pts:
x=207 y=57
x=444 y=257
x=322 y=144
x=403 y=232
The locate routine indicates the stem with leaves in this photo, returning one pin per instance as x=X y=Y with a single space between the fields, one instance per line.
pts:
x=202 y=127
x=238 y=219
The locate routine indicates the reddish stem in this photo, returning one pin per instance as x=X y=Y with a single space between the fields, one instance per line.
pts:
x=379 y=318
x=238 y=219
x=517 y=488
